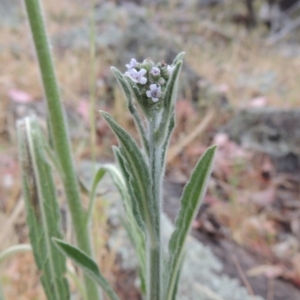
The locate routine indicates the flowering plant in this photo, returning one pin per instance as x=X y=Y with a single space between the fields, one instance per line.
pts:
x=153 y=86
x=150 y=91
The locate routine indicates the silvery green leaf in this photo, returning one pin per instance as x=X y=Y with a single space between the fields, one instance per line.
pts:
x=137 y=118
x=43 y=218
x=169 y=100
x=176 y=283
x=134 y=228
x=171 y=88
x=179 y=57
x=139 y=177
x=116 y=177
x=88 y=266
x=190 y=201
x=131 y=201
x=167 y=139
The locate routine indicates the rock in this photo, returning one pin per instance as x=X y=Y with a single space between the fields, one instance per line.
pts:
x=270 y=130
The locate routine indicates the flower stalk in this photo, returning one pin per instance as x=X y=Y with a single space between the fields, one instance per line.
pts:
x=154 y=88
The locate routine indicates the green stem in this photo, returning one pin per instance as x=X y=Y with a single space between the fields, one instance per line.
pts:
x=61 y=138
x=154 y=246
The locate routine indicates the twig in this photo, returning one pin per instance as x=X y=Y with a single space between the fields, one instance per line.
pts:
x=176 y=149
x=243 y=276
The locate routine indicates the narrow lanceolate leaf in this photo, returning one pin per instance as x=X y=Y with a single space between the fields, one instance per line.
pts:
x=134 y=227
x=169 y=99
x=190 y=202
x=136 y=116
x=43 y=216
x=168 y=136
x=139 y=177
x=171 y=88
x=179 y=57
x=116 y=177
x=132 y=206
x=88 y=266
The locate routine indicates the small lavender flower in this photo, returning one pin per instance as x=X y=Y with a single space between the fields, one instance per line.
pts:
x=155 y=71
x=133 y=63
x=137 y=76
x=154 y=92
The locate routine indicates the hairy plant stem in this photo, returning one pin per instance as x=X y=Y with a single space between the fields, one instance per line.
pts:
x=154 y=245
x=61 y=138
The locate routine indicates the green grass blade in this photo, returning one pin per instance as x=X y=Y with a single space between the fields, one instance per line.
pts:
x=43 y=216
x=190 y=202
x=140 y=180
x=88 y=266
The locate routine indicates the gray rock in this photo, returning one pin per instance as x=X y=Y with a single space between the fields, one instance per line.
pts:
x=270 y=130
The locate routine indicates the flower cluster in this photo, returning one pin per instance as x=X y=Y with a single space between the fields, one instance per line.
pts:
x=151 y=78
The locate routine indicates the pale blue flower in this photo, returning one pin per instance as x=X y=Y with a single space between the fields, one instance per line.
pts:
x=137 y=76
x=133 y=63
x=155 y=71
x=154 y=92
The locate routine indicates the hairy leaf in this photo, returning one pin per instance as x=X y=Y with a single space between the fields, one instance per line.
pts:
x=88 y=266
x=179 y=57
x=139 y=177
x=190 y=202
x=42 y=208
x=134 y=227
x=169 y=99
x=116 y=177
